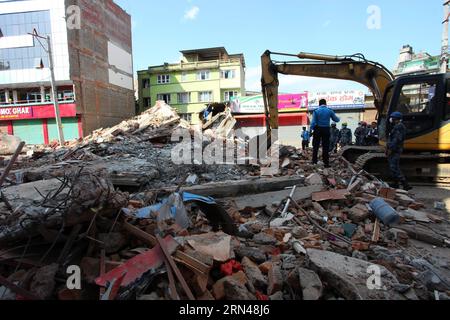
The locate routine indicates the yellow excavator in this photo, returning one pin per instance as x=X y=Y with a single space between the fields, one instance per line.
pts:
x=422 y=98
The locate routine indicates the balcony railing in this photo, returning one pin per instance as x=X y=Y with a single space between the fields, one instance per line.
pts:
x=28 y=103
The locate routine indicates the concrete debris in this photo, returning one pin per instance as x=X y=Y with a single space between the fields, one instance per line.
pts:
x=350 y=276
x=311 y=284
x=142 y=227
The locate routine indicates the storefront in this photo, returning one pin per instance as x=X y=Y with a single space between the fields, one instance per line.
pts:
x=36 y=124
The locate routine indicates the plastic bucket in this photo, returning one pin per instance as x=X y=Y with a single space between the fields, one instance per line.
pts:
x=384 y=212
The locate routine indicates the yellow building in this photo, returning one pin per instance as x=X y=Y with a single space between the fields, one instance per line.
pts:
x=203 y=76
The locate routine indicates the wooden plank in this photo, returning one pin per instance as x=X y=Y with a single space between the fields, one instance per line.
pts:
x=192 y=263
x=11 y=163
x=175 y=268
x=140 y=234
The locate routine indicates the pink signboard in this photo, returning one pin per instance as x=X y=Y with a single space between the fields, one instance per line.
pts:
x=292 y=102
x=37 y=112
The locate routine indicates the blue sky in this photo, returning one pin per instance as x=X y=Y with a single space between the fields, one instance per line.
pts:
x=162 y=28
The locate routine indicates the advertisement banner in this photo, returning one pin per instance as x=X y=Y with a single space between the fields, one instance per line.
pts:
x=353 y=99
x=44 y=111
x=16 y=113
x=255 y=104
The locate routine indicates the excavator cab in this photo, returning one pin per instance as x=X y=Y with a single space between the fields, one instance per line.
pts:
x=422 y=99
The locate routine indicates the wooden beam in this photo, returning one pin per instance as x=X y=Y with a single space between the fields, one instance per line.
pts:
x=175 y=269
x=140 y=234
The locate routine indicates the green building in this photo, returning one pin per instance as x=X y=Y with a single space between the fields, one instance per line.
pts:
x=202 y=77
x=410 y=62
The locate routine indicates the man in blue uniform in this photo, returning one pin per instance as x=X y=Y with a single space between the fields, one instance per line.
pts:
x=394 y=150
x=306 y=138
x=321 y=126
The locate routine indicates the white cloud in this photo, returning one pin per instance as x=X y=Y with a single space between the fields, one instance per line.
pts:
x=296 y=84
x=192 y=13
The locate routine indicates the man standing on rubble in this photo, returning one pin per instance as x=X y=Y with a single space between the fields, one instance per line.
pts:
x=345 y=136
x=321 y=126
x=372 y=138
x=360 y=133
x=334 y=137
x=306 y=138
x=394 y=150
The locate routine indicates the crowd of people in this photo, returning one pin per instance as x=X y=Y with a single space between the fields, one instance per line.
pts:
x=327 y=136
x=365 y=135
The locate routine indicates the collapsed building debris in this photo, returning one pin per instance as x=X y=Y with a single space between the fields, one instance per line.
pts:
x=309 y=233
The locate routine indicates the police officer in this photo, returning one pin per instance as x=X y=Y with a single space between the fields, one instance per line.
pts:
x=345 y=136
x=306 y=138
x=360 y=133
x=372 y=138
x=334 y=137
x=321 y=127
x=394 y=150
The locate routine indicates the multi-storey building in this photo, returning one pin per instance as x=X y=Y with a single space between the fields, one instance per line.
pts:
x=92 y=54
x=203 y=76
x=410 y=62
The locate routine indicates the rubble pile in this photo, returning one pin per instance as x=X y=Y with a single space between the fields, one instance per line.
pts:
x=137 y=153
x=68 y=232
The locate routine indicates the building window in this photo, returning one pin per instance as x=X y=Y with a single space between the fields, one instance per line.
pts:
x=34 y=97
x=205 y=96
x=145 y=83
x=163 y=97
x=203 y=75
x=229 y=95
x=163 y=78
x=184 y=97
x=147 y=102
x=184 y=77
x=186 y=116
x=19 y=24
x=228 y=74
x=3 y=98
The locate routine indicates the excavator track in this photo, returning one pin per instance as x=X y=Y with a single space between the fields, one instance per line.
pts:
x=421 y=167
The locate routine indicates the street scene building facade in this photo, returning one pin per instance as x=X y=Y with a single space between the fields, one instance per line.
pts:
x=203 y=76
x=411 y=62
x=92 y=66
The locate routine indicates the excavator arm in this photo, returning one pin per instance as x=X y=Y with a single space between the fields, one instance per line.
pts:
x=355 y=68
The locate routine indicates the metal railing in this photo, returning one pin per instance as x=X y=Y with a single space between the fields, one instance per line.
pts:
x=29 y=103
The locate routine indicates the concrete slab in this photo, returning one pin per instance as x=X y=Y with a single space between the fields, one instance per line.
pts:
x=350 y=277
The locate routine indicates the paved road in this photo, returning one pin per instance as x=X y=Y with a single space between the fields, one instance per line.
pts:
x=432 y=194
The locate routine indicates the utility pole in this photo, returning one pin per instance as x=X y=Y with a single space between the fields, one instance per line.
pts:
x=53 y=84
x=444 y=53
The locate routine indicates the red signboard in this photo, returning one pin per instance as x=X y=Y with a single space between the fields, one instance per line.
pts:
x=45 y=111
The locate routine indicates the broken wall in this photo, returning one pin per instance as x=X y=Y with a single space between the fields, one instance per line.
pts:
x=101 y=64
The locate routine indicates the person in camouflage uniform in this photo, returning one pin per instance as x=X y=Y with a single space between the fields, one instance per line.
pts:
x=345 y=136
x=334 y=137
x=394 y=150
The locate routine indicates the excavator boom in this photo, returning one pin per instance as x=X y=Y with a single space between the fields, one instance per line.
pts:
x=355 y=68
